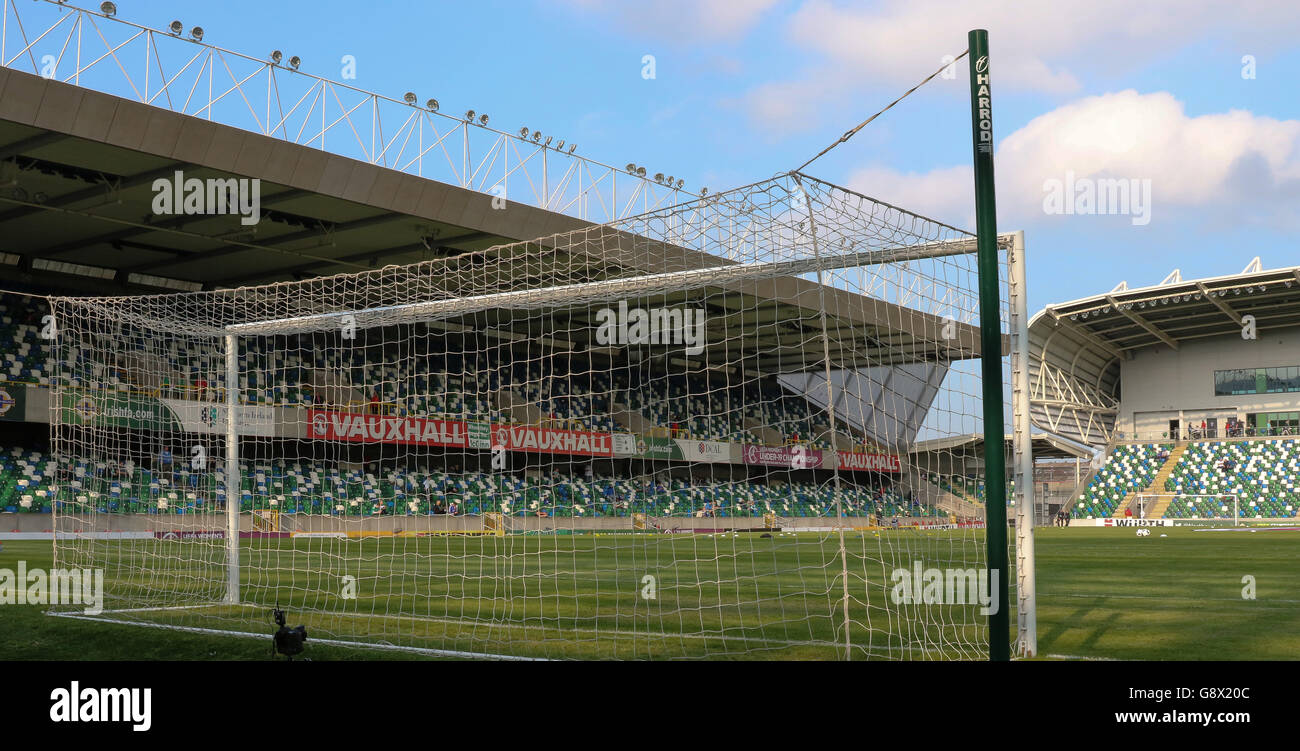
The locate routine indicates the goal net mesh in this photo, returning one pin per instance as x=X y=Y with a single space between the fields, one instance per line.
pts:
x=729 y=428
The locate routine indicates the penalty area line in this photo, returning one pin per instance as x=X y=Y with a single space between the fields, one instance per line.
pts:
x=331 y=642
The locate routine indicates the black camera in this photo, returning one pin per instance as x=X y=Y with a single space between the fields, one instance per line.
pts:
x=287 y=641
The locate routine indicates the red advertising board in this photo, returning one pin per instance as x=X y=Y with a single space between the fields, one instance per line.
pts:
x=546 y=440
x=408 y=431
x=327 y=425
x=852 y=460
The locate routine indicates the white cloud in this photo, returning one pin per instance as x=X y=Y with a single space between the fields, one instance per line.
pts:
x=946 y=195
x=1234 y=164
x=780 y=107
x=1037 y=46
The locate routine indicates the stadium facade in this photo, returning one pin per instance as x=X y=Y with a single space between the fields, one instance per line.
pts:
x=1189 y=391
x=1158 y=361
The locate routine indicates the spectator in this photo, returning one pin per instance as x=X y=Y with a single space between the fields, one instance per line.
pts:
x=453 y=509
x=165 y=461
x=374 y=402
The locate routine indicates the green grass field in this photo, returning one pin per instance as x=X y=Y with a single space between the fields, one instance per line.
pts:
x=1103 y=593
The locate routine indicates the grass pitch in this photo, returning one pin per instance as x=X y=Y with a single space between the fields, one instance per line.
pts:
x=1103 y=593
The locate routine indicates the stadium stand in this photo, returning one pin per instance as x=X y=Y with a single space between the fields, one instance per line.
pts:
x=1129 y=468
x=454 y=385
x=30 y=483
x=1263 y=474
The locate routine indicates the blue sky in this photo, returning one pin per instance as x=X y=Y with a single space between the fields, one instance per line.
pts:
x=743 y=89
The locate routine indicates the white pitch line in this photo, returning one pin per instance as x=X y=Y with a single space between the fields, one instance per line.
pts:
x=332 y=642
x=488 y=625
x=1085 y=658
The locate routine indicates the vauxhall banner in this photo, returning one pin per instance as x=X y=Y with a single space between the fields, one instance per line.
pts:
x=547 y=440
x=407 y=431
x=328 y=425
x=854 y=461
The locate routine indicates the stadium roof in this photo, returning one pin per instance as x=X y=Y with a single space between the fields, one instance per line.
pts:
x=971 y=446
x=1075 y=348
x=76 y=194
x=76 y=212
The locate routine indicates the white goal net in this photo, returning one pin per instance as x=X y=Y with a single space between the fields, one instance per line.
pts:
x=729 y=428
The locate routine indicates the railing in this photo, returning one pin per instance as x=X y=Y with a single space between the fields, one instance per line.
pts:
x=1208 y=434
x=177 y=71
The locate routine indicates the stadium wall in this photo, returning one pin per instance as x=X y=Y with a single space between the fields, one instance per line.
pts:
x=1159 y=384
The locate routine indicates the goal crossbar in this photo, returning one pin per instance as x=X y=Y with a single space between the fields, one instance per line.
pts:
x=605 y=289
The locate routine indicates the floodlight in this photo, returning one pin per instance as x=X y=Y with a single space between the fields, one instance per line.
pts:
x=277 y=56
x=176 y=27
x=483 y=120
x=410 y=97
x=294 y=62
x=432 y=105
x=108 y=9
x=197 y=33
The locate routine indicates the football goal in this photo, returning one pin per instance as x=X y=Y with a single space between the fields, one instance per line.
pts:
x=685 y=435
x=1215 y=507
